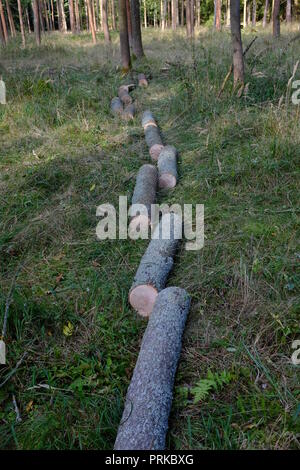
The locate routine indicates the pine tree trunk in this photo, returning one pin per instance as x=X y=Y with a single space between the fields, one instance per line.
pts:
x=63 y=16
x=218 y=4
x=72 y=16
x=52 y=15
x=253 y=13
x=193 y=16
x=37 y=26
x=174 y=14
x=129 y=26
x=182 y=12
x=237 y=47
x=289 y=11
x=105 y=21
x=2 y=34
x=198 y=11
x=145 y=14
x=45 y=11
x=163 y=14
x=265 y=18
x=188 y=18
x=77 y=17
x=21 y=23
x=276 y=19
x=10 y=19
x=228 y=14
x=137 y=44
x=124 y=41
x=245 y=14
x=3 y=21
x=91 y=21
x=113 y=14
x=48 y=12
x=28 y=21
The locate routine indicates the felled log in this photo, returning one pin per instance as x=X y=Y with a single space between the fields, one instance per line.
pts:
x=152 y=135
x=156 y=264
x=144 y=193
x=148 y=119
x=116 y=106
x=167 y=167
x=124 y=95
x=143 y=82
x=129 y=112
x=148 y=403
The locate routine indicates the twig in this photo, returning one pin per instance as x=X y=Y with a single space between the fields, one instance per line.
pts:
x=231 y=67
x=17 y=411
x=14 y=370
x=9 y=300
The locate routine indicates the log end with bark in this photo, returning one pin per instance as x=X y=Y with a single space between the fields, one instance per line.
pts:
x=148 y=403
x=129 y=112
x=167 y=167
x=143 y=82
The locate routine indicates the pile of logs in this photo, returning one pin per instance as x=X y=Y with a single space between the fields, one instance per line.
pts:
x=149 y=397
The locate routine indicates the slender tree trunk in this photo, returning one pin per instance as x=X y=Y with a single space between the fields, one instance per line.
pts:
x=193 y=15
x=174 y=14
x=124 y=41
x=77 y=17
x=41 y=17
x=182 y=12
x=2 y=34
x=198 y=13
x=72 y=16
x=28 y=21
x=3 y=21
x=276 y=19
x=253 y=13
x=228 y=14
x=289 y=11
x=37 y=26
x=248 y=14
x=45 y=11
x=265 y=18
x=137 y=44
x=10 y=19
x=245 y=14
x=63 y=16
x=21 y=23
x=48 y=13
x=52 y=14
x=145 y=14
x=237 y=47
x=91 y=21
x=218 y=4
x=163 y=14
x=94 y=14
x=113 y=14
x=129 y=26
x=105 y=21
x=188 y=12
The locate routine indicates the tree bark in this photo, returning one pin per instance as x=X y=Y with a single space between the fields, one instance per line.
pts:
x=253 y=13
x=218 y=4
x=124 y=41
x=289 y=11
x=137 y=44
x=37 y=26
x=188 y=14
x=3 y=21
x=63 y=16
x=228 y=14
x=237 y=47
x=113 y=14
x=91 y=21
x=198 y=13
x=163 y=14
x=72 y=16
x=2 y=34
x=21 y=23
x=10 y=19
x=276 y=19
x=77 y=16
x=245 y=14
x=105 y=21
x=174 y=13
x=129 y=26
x=265 y=18
x=28 y=21
x=145 y=14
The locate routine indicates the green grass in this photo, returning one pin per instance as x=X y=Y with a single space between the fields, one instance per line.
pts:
x=62 y=154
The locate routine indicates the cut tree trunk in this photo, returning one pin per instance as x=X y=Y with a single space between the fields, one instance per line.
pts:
x=276 y=19
x=148 y=403
x=143 y=82
x=124 y=95
x=167 y=167
x=129 y=112
x=116 y=106
x=265 y=18
x=237 y=47
x=21 y=23
x=152 y=135
x=137 y=44
x=144 y=193
x=155 y=265
x=124 y=41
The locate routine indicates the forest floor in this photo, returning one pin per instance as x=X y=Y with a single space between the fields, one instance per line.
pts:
x=62 y=154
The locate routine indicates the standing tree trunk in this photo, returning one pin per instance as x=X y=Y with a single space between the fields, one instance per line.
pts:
x=145 y=14
x=63 y=16
x=276 y=19
x=72 y=16
x=289 y=11
x=21 y=23
x=77 y=16
x=174 y=14
x=228 y=14
x=2 y=35
x=198 y=11
x=137 y=44
x=3 y=21
x=91 y=21
x=218 y=5
x=253 y=13
x=265 y=18
x=113 y=14
x=124 y=41
x=129 y=26
x=245 y=14
x=188 y=18
x=105 y=21
x=36 y=20
x=28 y=21
x=45 y=11
x=193 y=15
x=182 y=12
x=10 y=19
x=237 y=47
x=163 y=14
